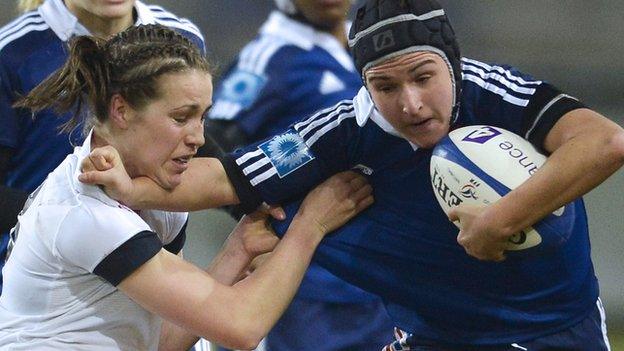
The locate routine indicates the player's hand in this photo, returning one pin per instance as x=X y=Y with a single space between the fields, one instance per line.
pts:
x=254 y=234
x=335 y=201
x=277 y=212
x=255 y=263
x=104 y=167
x=479 y=238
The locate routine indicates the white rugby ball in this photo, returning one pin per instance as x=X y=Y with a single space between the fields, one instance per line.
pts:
x=479 y=164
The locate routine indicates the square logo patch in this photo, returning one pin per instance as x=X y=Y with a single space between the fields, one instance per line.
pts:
x=287 y=152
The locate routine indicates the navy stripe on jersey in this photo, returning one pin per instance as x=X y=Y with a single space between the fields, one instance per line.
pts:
x=25 y=24
x=18 y=21
x=498 y=80
x=258 y=167
x=125 y=259
x=167 y=18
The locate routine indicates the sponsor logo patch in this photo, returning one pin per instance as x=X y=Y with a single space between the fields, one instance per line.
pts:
x=287 y=152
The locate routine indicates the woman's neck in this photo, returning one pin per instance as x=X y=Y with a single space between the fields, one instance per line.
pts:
x=101 y=27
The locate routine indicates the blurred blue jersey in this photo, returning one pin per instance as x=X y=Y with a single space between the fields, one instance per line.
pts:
x=404 y=248
x=288 y=72
x=31 y=48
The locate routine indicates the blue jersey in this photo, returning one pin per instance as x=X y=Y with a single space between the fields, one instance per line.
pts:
x=288 y=72
x=31 y=48
x=403 y=248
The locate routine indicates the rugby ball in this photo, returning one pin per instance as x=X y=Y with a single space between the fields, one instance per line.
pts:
x=479 y=164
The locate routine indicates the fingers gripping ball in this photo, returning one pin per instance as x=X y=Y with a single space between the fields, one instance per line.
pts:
x=479 y=164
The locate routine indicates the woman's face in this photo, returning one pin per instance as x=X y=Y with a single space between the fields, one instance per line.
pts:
x=414 y=93
x=161 y=138
x=105 y=9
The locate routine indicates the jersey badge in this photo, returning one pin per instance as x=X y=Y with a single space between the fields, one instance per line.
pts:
x=287 y=152
x=242 y=87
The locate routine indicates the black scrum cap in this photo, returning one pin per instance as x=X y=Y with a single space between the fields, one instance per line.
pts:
x=384 y=29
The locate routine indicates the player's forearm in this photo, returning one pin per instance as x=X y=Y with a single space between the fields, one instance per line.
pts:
x=576 y=167
x=230 y=263
x=266 y=293
x=204 y=185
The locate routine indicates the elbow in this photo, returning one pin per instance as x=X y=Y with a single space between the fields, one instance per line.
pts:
x=244 y=331
x=615 y=147
x=243 y=339
x=248 y=343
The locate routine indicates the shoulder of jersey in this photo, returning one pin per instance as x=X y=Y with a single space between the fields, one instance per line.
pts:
x=245 y=81
x=258 y=54
x=168 y=19
x=511 y=85
x=21 y=26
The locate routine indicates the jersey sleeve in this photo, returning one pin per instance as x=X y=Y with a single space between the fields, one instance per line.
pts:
x=93 y=230
x=176 y=245
x=168 y=225
x=501 y=95
x=8 y=115
x=289 y=164
x=129 y=256
x=253 y=91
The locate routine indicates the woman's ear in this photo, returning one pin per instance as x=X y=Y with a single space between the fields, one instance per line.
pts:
x=120 y=111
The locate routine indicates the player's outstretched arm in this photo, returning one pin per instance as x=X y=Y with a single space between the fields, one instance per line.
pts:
x=239 y=316
x=204 y=184
x=586 y=148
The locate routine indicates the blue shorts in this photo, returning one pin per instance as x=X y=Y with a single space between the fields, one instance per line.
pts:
x=325 y=326
x=588 y=335
x=310 y=325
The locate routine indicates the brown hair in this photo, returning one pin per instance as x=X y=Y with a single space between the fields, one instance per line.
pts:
x=28 y=5
x=128 y=64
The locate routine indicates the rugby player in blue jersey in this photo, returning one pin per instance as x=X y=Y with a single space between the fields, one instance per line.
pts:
x=444 y=289
x=298 y=64
x=32 y=47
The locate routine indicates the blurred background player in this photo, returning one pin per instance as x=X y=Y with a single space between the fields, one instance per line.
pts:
x=298 y=64
x=446 y=290
x=32 y=47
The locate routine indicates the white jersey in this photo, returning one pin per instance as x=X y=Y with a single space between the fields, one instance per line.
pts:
x=52 y=300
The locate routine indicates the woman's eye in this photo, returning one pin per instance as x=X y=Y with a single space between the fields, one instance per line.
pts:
x=423 y=79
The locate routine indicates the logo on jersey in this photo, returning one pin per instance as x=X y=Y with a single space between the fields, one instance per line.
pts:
x=383 y=40
x=242 y=87
x=481 y=135
x=287 y=152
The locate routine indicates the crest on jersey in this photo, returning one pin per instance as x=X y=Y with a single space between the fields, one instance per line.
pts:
x=482 y=135
x=287 y=152
x=242 y=87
